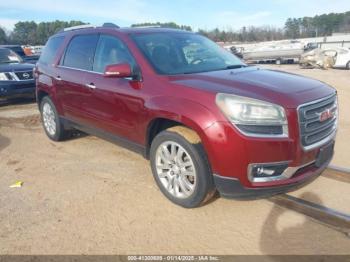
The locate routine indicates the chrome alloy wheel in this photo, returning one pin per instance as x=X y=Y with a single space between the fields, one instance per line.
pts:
x=49 y=119
x=175 y=169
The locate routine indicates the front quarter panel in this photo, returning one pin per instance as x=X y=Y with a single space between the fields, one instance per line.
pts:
x=191 y=114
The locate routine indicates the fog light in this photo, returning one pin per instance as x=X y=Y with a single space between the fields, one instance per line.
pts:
x=258 y=172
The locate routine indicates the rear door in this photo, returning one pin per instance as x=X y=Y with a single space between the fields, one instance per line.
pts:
x=116 y=104
x=72 y=90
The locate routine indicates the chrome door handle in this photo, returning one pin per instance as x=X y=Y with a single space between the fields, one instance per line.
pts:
x=58 y=78
x=91 y=86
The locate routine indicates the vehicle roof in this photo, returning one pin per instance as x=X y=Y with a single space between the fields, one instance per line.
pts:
x=6 y=46
x=126 y=30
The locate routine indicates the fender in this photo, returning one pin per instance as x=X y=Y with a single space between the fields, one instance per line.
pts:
x=183 y=111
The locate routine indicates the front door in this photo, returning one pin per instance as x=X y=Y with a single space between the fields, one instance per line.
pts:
x=115 y=104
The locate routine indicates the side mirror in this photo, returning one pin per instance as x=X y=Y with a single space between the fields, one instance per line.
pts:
x=118 y=70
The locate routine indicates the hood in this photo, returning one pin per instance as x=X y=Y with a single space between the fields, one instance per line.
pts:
x=288 y=90
x=16 y=67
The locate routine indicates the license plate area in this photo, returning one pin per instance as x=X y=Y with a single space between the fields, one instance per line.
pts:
x=325 y=154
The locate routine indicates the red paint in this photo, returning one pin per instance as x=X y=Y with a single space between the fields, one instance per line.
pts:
x=126 y=107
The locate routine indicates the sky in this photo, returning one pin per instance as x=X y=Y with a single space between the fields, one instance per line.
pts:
x=204 y=14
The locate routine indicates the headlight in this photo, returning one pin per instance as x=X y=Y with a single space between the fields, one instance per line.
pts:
x=3 y=77
x=254 y=117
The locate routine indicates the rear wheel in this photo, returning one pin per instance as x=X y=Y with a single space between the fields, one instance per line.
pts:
x=51 y=122
x=181 y=169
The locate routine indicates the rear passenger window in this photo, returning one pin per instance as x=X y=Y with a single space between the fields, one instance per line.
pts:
x=80 y=52
x=50 y=49
x=111 y=50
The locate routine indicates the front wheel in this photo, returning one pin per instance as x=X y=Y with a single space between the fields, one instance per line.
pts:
x=180 y=168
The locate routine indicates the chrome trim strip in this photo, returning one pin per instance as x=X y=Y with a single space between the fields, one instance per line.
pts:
x=15 y=77
x=288 y=173
x=331 y=136
x=284 y=135
x=78 y=69
x=321 y=142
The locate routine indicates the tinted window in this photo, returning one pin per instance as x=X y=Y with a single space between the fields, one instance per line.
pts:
x=7 y=56
x=50 y=49
x=184 y=53
x=80 y=52
x=18 y=50
x=110 y=50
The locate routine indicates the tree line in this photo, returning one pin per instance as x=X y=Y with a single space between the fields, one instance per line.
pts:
x=32 y=33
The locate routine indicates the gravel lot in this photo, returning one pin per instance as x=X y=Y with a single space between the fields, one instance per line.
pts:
x=88 y=196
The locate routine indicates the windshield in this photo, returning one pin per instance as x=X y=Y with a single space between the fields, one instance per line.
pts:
x=184 y=53
x=7 y=56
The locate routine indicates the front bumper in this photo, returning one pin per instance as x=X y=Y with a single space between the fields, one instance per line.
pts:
x=11 y=89
x=230 y=154
x=232 y=188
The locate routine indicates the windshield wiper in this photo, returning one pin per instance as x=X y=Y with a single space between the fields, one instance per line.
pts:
x=235 y=66
x=211 y=70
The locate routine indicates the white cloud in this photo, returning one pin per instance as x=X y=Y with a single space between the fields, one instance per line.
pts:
x=237 y=20
x=8 y=23
x=130 y=11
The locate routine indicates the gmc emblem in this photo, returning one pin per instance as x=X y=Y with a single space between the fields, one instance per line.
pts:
x=325 y=115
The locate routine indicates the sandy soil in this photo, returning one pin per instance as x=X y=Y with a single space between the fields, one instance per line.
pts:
x=87 y=196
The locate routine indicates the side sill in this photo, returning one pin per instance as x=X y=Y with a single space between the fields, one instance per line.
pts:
x=120 y=141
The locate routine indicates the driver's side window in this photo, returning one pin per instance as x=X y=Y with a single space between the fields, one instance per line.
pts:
x=110 y=50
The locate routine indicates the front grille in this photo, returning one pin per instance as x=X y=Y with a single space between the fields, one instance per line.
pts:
x=27 y=75
x=317 y=120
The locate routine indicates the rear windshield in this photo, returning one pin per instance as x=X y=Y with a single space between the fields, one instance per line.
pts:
x=7 y=56
x=50 y=50
x=18 y=50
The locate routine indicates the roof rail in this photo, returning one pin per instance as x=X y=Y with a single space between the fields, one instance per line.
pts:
x=76 y=27
x=110 y=25
x=147 y=26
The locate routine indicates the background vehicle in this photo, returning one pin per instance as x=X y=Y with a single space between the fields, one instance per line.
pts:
x=16 y=77
x=32 y=59
x=342 y=58
x=204 y=119
x=327 y=58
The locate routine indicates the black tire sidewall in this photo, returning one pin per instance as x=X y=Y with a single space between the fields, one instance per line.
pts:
x=204 y=179
x=58 y=135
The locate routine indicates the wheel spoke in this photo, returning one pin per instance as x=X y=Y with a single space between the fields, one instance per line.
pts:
x=163 y=175
x=171 y=183
x=166 y=151
x=172 y=151
x=188 y=173
x=184 y=188
x=164 y=166
x=175 y=169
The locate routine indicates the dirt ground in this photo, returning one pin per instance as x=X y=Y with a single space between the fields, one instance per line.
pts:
x=88 y=196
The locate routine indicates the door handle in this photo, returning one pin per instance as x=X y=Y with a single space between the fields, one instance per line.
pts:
x=58 y=78
x=91 y=86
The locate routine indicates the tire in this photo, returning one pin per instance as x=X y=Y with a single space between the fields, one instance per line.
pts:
x=348 y=66
x=189 y=186
x=53 y=127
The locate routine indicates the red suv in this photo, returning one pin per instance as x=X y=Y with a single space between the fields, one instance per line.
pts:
x=206 y=121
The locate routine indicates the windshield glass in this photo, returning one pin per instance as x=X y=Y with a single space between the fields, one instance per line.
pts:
x=8 y=56
x=184 y=53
